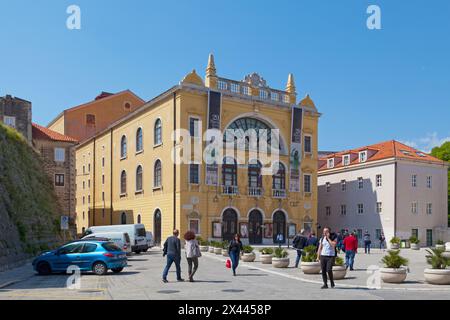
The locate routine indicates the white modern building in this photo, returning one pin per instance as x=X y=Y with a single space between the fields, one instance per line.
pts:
x=387 y=187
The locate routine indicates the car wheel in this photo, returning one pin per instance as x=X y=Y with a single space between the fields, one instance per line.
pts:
x=116 y=270
x=43 y=268
x=145 y=250
x=138 y=252
x=99 y=268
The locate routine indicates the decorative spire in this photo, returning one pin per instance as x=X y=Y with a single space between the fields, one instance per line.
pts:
x=211 y=76
x=290 y=87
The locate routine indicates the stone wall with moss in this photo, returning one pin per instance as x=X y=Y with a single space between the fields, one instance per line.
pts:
x=29 y=212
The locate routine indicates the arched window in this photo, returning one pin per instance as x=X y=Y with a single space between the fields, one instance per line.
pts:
x=139 y=144
x=254 y=174
x=123 y=147
x=229 y=172
x=123 y=218
x=139 y=178
x=157 y=174
x=123 y=182
x=279 y=177
x=139 y=218
x=158 y=132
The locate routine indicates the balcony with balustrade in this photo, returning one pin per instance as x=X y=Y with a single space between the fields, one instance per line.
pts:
x=230 y=190
x=278 y=193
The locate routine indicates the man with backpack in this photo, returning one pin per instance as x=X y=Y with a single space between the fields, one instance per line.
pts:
x=299 y=243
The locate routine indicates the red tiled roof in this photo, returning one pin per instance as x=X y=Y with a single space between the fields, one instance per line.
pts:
x=380 y=151
x=43 y=133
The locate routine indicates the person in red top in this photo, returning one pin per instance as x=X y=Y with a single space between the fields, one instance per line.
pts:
x=351 y=247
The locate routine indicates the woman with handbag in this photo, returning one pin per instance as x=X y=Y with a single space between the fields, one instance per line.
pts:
x=234 y=250
x=192 y=253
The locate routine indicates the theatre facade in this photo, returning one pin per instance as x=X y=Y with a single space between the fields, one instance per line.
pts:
x=165 y=165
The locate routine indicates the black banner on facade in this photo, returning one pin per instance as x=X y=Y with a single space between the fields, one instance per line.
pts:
x=212 y=143
x=295 y=154
x=214 y=101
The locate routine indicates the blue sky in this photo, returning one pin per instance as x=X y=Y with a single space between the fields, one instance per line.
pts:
x=370 y=85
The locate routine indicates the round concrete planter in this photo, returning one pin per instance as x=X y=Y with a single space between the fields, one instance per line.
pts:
x=248 y=257
x=218 y=250
x=266 y=258
x=280 y=262
x=446 y=254
x=437 y=276
x=225 y=253
x=440 y=246
x=415 y=246
x=447 y=246
x=211 y=249
x=339 y=272
x=204 y=248
x=392 y=275
x=310 y=267
x=395 y=246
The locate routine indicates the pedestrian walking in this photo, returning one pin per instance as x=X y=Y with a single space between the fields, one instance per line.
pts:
x=382 y=241
x=351 y=248
x=234 y=250
x=312 y=240
x=367 y=242
x=280 y=239
x=192 y=253
x=299 y=243
x=339 y=245
x=172 y=249
x=326 y=255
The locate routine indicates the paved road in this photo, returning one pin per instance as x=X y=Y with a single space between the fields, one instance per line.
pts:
x=142 y=280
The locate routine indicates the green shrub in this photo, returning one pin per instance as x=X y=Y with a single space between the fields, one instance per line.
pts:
x=225 y=244
x=339 y=261
x=280 y=253
x=310 y=254
x=248 y=249
x=440 y=242
x=394 y=260
x=202 y=242
x=414 y=240
x=266 y=250
x=436 y=259
x=395 y=240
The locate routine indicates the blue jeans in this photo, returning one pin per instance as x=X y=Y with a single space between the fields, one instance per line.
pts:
x=366 y=246
x=299 y=256
x=234 y=257
x=171 y=259
x=349 y=258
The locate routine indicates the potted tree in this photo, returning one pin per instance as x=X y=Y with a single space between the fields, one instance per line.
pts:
x=203 y=244
x=218 y=248
x=440 y=244
x=339 y=270
x=266 y=255
x=394 y=270
x=414 y=243
x=438 y=273
x=225 y=245
x=280 y=258
x=248 y=255
x=211 y=247
x=395 y=243
x=309 y=265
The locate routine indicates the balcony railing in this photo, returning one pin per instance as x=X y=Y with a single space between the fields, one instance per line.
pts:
x=255 y=191
x=230 y=190
x=279 y=193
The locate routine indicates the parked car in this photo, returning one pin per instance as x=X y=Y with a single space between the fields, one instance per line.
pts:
x=135 y=231
x=121 y=239
x=98 y=256
x=150 y=242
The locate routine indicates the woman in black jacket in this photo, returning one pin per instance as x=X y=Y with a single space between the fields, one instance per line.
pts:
x=234 y=250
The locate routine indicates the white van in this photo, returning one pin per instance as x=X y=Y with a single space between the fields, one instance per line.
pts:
x=121 y=239
x=135 y=231
x=150 y=242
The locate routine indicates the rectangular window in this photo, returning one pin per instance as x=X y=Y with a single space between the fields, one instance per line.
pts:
x=429 y=182
x=363 y=156
x=360 y=208
x=360 y=183
x=328 y=211
x=379 y=207
x=84 y=200
x=429 y=208
x=263 y=94
x=89 y=183
x=222 y=85
x=429 y=237
x=194 y=225
x=286 y=98
x=90 y=119
x=89 y=199
x=84 y=185
x=274 y=96
x=346 y=159
x=414 y=180
x=308 y=147
x=59 y=180
x=414 y=207
x=103 y=162
x=330 y=163
x=103 y=179
x=10 y=121
x=415 y=233
x=194 y=174
x=235 y=88
x=328 y=186
x=60 y=154
x=343 y=210
x=307 y=183
x=103 y=196
x=194 y=127
x=343 y=185
x=246 y=90
x=378 y=180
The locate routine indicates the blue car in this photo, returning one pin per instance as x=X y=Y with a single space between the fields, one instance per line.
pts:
x=93 y=255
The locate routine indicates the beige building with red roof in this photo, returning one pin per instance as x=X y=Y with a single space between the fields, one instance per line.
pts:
x=387 y=188
x=58 y=154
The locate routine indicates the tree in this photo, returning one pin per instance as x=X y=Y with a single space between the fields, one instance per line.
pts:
x=443 y=153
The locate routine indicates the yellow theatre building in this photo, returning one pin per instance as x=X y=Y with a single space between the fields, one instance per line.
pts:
x=127 y=173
